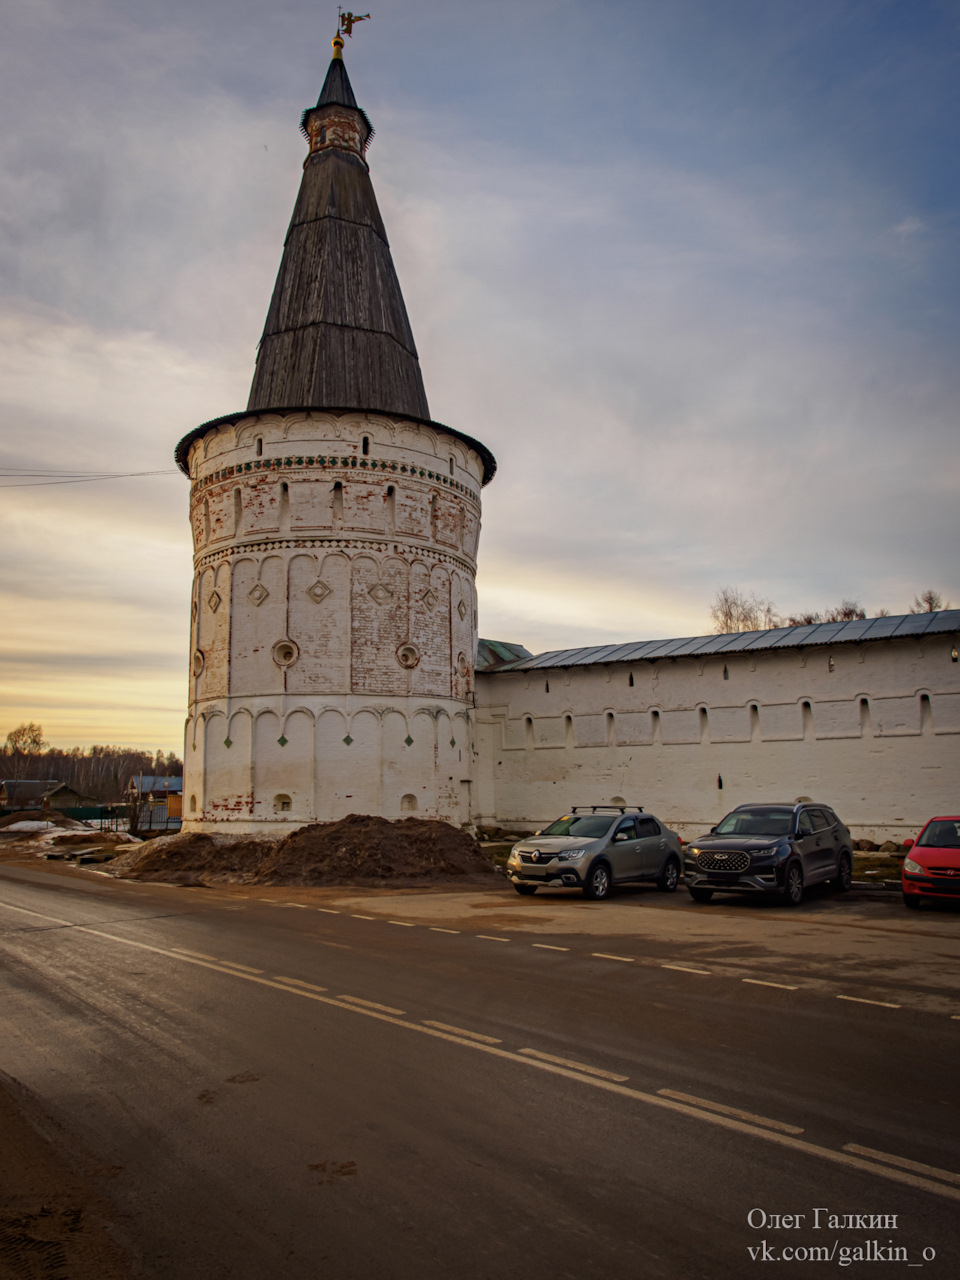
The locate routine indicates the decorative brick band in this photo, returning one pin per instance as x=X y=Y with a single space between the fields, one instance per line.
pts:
x=315 y=462
x=358 y=544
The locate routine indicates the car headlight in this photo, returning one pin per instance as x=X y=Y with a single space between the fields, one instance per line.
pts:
x=913 y=867
x=693 y=851
x=572 y=855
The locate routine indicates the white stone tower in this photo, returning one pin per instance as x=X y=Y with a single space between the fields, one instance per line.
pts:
x=335 y=529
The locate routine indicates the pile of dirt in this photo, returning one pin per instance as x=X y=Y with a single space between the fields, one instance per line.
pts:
x=362 y=849
x=192 y=858
x=359 y=849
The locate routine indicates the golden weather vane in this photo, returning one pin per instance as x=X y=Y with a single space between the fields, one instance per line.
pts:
x=347 y=21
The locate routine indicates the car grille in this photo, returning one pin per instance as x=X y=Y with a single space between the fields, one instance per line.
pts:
x=943 y=884
x=728 y=860
x=542 y=857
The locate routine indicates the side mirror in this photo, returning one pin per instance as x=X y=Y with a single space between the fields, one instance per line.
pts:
x=621 y=836
x=713 y=831
x=909 y=843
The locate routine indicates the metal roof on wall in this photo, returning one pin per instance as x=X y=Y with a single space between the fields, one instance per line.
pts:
x=819 y=633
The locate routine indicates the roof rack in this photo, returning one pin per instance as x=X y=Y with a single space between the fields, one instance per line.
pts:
x=614 y=808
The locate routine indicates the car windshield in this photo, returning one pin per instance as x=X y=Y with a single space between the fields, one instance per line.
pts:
x=941 y=835
x=756 y=822
x=589 y=826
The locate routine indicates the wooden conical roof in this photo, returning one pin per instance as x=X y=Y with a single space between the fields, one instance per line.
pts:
x=337 y=333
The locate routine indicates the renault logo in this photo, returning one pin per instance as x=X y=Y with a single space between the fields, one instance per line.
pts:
x=536 y=855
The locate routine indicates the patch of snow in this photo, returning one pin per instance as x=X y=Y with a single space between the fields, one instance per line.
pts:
x=29 y=826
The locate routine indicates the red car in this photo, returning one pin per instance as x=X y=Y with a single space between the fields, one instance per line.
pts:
x=931 y=868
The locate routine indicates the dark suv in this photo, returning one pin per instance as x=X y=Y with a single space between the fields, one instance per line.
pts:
x=770 y=848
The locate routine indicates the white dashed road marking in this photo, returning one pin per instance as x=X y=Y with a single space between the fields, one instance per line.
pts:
x=299 y=982
x=459 y=1031
x=434 y=929
x=488 y=937
x=686 y=969
x=404 y=924
x=883 y=1004
x=724 y=1110
x=545 y=946
x=364 y=917
x=328 y=911
x=913 y=1165
x=602 y=955
x=574 y=1066
x=758 y=982
x=234 y=965
x=370 y=1004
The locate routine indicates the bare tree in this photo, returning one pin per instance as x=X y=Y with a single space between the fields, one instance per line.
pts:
x=24 y=746
x=929 y=601
x=845 y=611
x=735 y=610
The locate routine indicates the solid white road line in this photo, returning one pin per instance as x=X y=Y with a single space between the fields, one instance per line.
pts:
x=578 y=1075
x=473 y=1035
x=299 y=982
x=758 y=982
x=371 y=1004
x=234 y=965
x=883 y=1004
x=545 y=946
x=200 y=955
x=729 y=1111
x=602 y=955
x=686 y=969
x=575 y=1066
x=914 y=1165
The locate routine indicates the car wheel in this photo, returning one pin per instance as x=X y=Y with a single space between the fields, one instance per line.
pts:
x=910 y=901
x=669 y=877
x=701 y=895
x=844 y=877
x=792 y=891
x=598 y=883
x=527 y=890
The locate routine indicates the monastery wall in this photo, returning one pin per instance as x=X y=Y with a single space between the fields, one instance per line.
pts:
x=871 y=729
x=334 y=620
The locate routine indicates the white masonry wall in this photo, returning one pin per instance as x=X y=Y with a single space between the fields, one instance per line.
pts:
x=871 y=729
x=334 y=621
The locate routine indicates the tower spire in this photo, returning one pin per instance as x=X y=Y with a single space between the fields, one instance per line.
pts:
x=337 y=333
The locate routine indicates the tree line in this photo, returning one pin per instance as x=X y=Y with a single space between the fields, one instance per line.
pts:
x=101 y=772
x=736 y=610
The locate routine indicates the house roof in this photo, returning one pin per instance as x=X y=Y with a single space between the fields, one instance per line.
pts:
x=156 y=782
x=21 y=789
x=819 y=633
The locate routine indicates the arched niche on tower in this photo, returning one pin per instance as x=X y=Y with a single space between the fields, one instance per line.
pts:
x=335 y=765
x=258 y=622
x=379 y=625
x=420 y=760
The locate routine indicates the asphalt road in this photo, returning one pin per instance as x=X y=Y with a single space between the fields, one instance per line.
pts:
x=434 y=1085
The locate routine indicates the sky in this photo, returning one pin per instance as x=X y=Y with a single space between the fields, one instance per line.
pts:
x=690 y=270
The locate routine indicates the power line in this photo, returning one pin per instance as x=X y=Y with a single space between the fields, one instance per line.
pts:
x=23 y=478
